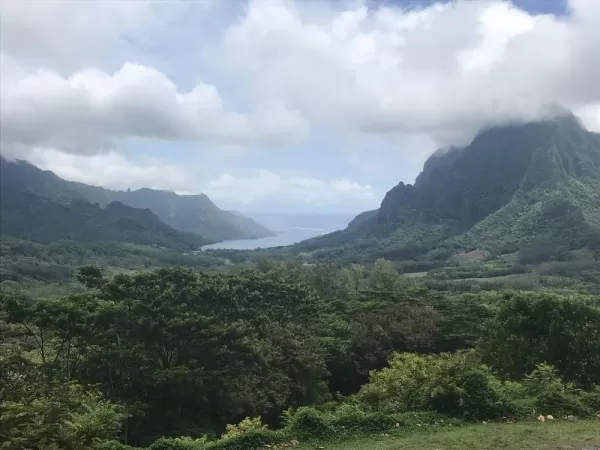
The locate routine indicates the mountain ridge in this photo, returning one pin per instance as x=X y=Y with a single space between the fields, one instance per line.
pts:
x=187 y=213
x=513 y=186
x=27 y=215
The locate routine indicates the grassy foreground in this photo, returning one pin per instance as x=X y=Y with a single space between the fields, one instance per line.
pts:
x=559 y=435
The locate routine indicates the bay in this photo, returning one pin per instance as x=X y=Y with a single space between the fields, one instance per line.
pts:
x=288 y=237
x=291 y=228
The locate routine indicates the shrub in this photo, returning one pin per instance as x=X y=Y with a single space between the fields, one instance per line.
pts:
x=550 y=395
x=308 y=423
x=544 y=378
x=474 y=395
x=592 y=399
x=561 y=403
x=245 y=426
x=479 y=400
x=457 y=385
x=402 y=386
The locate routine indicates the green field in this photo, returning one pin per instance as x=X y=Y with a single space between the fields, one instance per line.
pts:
x=559 y=435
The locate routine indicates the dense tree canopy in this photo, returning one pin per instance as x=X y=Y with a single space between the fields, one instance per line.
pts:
x=176 y=352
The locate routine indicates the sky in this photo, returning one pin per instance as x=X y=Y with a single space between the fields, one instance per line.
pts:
x=281 y=105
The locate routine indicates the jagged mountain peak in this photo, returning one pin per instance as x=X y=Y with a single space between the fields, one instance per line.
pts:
x=513 y=185
x=467 y=184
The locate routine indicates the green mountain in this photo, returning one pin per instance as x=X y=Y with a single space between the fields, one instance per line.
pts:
x=188 y=213
x=518 y=187
x=26 y=215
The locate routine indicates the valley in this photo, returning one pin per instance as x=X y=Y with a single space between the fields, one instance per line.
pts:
x=452 y=305
x=149 y=320
x=292 y=224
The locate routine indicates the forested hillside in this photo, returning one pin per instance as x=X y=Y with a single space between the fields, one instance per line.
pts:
x=528 y=187
x=187 y=213
x=408 y=257
x=144 y=359
x=26 y=215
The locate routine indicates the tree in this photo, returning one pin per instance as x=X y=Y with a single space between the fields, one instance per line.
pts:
x=544 y=328
x=186 y=352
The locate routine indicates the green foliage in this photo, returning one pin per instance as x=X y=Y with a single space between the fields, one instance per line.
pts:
x=187 y=353
x=533 y=329
x=456 y=385
x=90 y=276
x=591 y=399
x=245 y=426
x=192 y=350
x=477 y=398
x=552 y=396
x=29 y=267
x=182 y=443
x=459 y=386
x=309 y=423
x=57 y=416
x=251 y=440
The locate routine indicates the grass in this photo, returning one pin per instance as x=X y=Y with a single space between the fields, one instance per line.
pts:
x=555 y=435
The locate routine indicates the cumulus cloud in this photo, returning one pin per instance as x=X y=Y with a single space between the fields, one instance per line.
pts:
x=279 y=191
x=77 y=79
x=86 y=112
x=446 y=69
x=114 y=171
x=262 y=189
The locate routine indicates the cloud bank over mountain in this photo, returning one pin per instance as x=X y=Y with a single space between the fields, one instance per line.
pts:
x=270 y=102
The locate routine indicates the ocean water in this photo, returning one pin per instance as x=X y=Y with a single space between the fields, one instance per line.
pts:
x=290 y=228
x=287 y=237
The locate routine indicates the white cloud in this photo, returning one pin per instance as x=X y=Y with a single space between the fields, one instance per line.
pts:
x=79 y=78
x=447 y=69
x=112 y=170
x=590 y=116
x=264 y=189
x=281 y=191
x=87 y=111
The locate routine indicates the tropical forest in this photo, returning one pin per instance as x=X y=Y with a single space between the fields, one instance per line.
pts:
x=456 y=309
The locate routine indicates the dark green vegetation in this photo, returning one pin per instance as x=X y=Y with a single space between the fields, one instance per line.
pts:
x=49 y=269
x=188 y=213
x=157 y=355
x=26 y=215
x=49 y=226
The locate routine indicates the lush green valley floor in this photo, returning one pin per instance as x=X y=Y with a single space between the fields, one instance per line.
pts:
x=557 y=435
